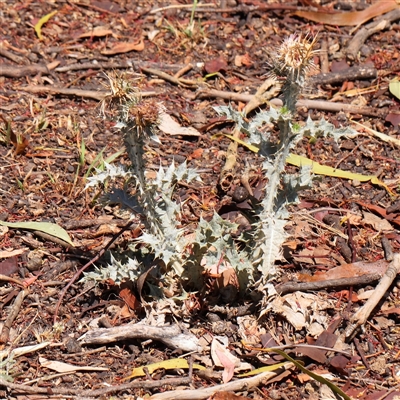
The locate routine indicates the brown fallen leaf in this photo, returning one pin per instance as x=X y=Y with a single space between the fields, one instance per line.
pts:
x=339 y=362
x=107 y=6
x=96 y=32
x=9 y=266
x=129 y=298
x=169 y=126
x=379 y=224
x=392 y=217
x=345 y=294
x=325 y=339
x=347 y=271
x=393 y=118
x=352 y=18
x=124 y=47
x=216 y=65
x=198 y=153
x=394 y=310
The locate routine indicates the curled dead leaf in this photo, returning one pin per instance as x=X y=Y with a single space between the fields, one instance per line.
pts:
x=352 y=18
x=124 y=47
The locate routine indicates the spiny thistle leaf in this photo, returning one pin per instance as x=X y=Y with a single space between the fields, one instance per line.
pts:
x=116 y=270
x=315 y=129
x=110 y=173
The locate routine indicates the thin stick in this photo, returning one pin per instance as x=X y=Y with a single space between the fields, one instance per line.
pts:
x=315 y=104
x=181 y=7
x=5 y=333
x=290 y=287
x=163 y=75
x=21 y=388
x=361 y=316
x=89 y=94
x=93 y=260
x=203 y=393
x=6 y=278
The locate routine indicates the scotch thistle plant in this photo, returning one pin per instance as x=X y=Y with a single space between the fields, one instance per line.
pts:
x=167 y=241
x=290 y=65
x=137 y=119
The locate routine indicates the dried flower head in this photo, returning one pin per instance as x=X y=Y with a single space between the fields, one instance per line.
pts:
x=144 y=114
x=121 y=93
x=294 y=58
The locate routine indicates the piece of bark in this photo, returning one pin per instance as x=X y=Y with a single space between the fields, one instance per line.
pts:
x=171 y=336
x=290 y=287
x=350 y=74
x=381 y=23
x=91 y=94
x=12 y=71
x=315 y=104
x=360 y=317
x=5 y=333
x=11 y=56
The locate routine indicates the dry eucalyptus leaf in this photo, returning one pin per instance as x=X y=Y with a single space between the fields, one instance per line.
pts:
x=169 y=126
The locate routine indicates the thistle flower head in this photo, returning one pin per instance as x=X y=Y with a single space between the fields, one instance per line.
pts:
x=121 y=93
x=294 y=58
x=144 y=114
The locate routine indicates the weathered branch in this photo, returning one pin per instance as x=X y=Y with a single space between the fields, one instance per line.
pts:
x=171 y=336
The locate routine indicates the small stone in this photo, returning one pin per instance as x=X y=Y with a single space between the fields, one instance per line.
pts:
x=240 y=194
x=34 y=260
x=73 y=346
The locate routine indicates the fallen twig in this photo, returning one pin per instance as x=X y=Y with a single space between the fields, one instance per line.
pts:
x=9 y=55
x=21 y=388
x=365 y=32
x=241 y=384
x=181 y=7
x=360 y=317
x=74 y=224
x=5 y=333
x=290 y=287
x=120 y=65
x=315 y=104
x=87 y=265
x=91 y=94
x=241 y=8
x=12 y=71
x=6 y=278
x=172 y=336
x=172 y=79
x=347 y=108
x=350 y=74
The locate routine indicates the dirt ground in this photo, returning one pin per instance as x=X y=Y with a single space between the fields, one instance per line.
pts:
x=55 y=60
